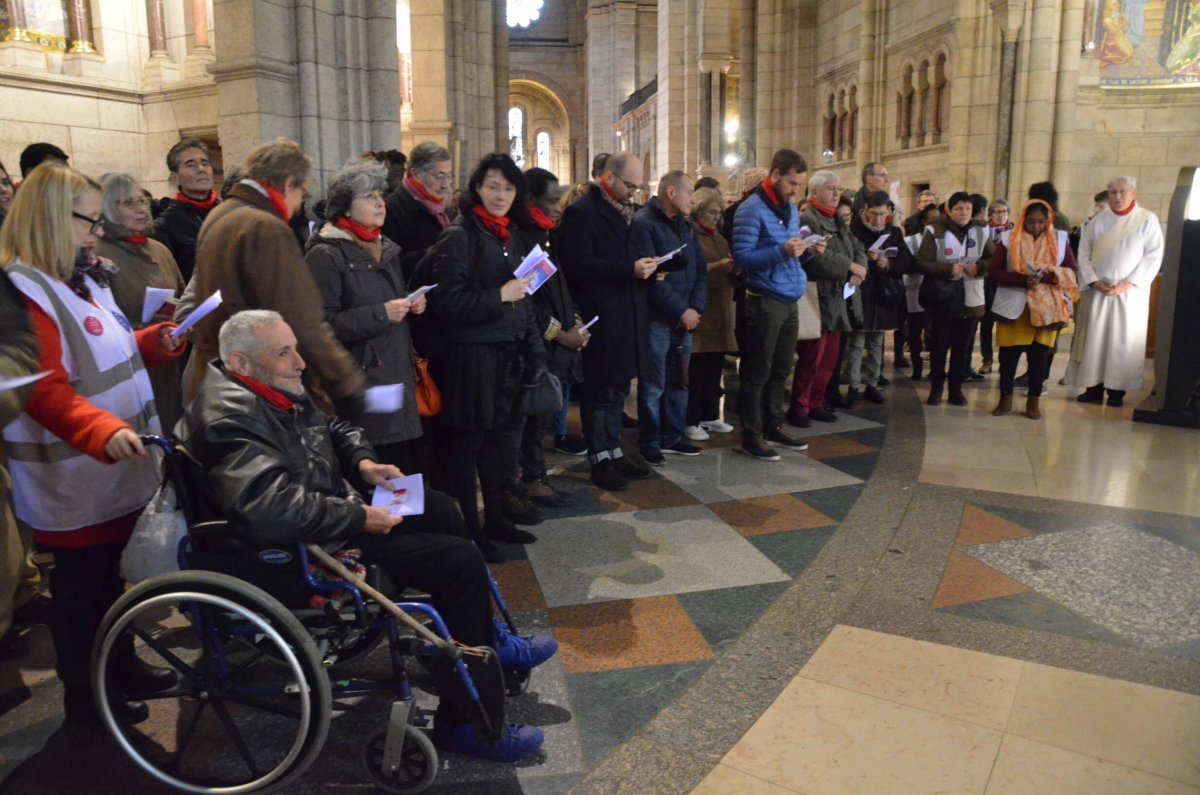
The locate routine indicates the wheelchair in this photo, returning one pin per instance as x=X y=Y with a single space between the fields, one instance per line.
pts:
x=259 y=667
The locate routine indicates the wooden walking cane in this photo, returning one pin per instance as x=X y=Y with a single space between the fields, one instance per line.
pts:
x=449 y=647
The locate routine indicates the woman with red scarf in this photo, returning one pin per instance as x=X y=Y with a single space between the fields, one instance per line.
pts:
x=714 y=337
x=141 y=262
x=492 y=346
x=363 y=292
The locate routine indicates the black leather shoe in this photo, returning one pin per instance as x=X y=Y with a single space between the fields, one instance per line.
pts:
x=957 y=399
x=491 y=552
x=1091 y=395
x=517 y=509
x=798 y=419
x=852 y=398
x=823 y=414
x=627 y=421
x=883 y=381
x=606 y=476
x=508 y=532
x=630 y=470
x=140 y=678
x=872 y=395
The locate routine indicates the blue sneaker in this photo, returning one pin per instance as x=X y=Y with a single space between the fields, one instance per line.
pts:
x=523 y=654
x=518 y=742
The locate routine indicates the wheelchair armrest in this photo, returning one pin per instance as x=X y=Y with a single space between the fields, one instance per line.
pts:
x=216 y=536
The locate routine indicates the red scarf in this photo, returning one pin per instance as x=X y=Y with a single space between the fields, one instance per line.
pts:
x=497 y=226
x=358 y=230
x=828 y=212
x=1127 y=210
x=608 y=190
x=712 y=230
x=137 y=240
x=277 y=201
x=276 y=399
x=419 y=190
x=769 y=189
x=203 y=206
x=543 y=222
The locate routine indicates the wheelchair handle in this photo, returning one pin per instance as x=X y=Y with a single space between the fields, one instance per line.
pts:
x=158 y=441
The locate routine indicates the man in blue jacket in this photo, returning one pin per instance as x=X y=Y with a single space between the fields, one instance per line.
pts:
x=767 y=246
x=675 y=298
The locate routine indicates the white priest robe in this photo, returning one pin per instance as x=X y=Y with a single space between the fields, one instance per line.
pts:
x=1110 y=338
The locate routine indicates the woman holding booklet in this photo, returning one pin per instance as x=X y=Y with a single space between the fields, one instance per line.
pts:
x=141 y=262
x=492 y=345
x=81 y=476
x=366 y=303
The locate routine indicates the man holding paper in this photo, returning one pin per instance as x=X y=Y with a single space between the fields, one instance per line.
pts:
x=1120 y=252
x=768 y=247
x=675 y=299
x=280 y=472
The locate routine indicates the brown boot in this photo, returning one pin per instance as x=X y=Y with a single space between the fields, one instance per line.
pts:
x=1003 y=407
x=1033 y=409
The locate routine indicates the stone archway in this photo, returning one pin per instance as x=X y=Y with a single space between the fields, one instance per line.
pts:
x=544 y=122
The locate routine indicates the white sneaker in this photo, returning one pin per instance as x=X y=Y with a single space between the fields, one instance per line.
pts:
x=717 y=426
x=695 y=433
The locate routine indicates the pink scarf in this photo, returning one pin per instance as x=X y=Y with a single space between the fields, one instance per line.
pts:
x=433 y=205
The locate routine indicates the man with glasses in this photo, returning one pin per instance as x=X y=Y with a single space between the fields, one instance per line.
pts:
x=610 y=286
x=179 y=224
x=874 y=180
x=417 y=210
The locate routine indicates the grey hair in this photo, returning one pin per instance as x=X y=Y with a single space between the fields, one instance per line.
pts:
x=118 y=186
x=1127 y=181
x=237 y=333
x=353 y=180
x=820 y=180
x=706 y=199
x=425 y=154
x=999 y=203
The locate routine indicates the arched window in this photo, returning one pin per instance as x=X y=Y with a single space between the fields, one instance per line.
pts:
x=516 y=136
x=542 y=142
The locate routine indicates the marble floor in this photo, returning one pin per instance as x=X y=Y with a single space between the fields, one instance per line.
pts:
x=927 y=600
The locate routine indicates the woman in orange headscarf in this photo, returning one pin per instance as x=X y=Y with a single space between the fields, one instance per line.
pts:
x=1034 y=273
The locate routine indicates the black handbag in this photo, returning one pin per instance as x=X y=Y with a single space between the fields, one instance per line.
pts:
x=941 y=296
x=544 y=397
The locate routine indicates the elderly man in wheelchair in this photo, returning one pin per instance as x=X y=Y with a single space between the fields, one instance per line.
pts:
x=273 y=472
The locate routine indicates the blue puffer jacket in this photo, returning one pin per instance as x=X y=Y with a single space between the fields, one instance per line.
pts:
x=653 y=234
x=760 y=230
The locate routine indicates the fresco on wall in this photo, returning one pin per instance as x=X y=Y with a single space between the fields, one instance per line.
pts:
x=1148 y=43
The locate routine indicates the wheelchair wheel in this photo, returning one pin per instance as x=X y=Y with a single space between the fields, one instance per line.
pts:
x=236 y=721
x=418 y=761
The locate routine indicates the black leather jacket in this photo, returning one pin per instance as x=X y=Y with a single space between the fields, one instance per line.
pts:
x=276 y=475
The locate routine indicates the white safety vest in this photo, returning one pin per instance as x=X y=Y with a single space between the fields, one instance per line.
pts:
x=967 y=251
x=56 y=487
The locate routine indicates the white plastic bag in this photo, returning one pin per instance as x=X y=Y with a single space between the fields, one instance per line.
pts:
x=153 y=548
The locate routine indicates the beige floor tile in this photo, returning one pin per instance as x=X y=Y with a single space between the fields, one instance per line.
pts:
x=977 y=477
x=967 y=685
x=1137 y=726
x=724 y=780
x=817 y=738
x=1025 y=767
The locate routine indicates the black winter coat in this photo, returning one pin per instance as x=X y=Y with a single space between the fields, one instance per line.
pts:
x=593 y=252
x=177 y=228
x=554 y=300
x=277 y=475
x=409 y=226
x=877 y=316
x=653 y=234
x=354 y=288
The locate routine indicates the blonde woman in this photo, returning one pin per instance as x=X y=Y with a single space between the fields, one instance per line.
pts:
x=80 y=474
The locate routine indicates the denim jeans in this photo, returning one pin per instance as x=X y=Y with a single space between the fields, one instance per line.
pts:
x=662 y=397
x=871 y=343
x=560 y=419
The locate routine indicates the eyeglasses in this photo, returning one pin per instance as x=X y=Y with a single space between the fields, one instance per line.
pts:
x=142 y=203
x=440 y=176
x=94 y=223
x=629 y=185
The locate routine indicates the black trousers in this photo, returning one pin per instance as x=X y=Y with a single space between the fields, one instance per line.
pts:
x=600 y=409
x=704 y=387
x=1036 y=360
x=85 y=583
x=433 y=552
x=918 y=324
x=492 y=454
x=969 y=351
x=533 y=453
x=949 y=335
x=408 y=455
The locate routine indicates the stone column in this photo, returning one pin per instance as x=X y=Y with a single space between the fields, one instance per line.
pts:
x=1064 y=108
x=20 y=50
x=159 y=69
x=706 y=119
x=1009 y=16
x=202 y=53
x=79 y=27
x=611 y=68
x=430 y=108
x=746 y=78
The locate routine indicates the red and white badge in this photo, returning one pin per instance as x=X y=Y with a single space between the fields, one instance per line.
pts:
x=93 y=325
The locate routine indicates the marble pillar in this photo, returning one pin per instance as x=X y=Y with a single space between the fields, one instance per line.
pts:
x=20 y=50
x=79 y=27
x=201 y=54
x=159 y=70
